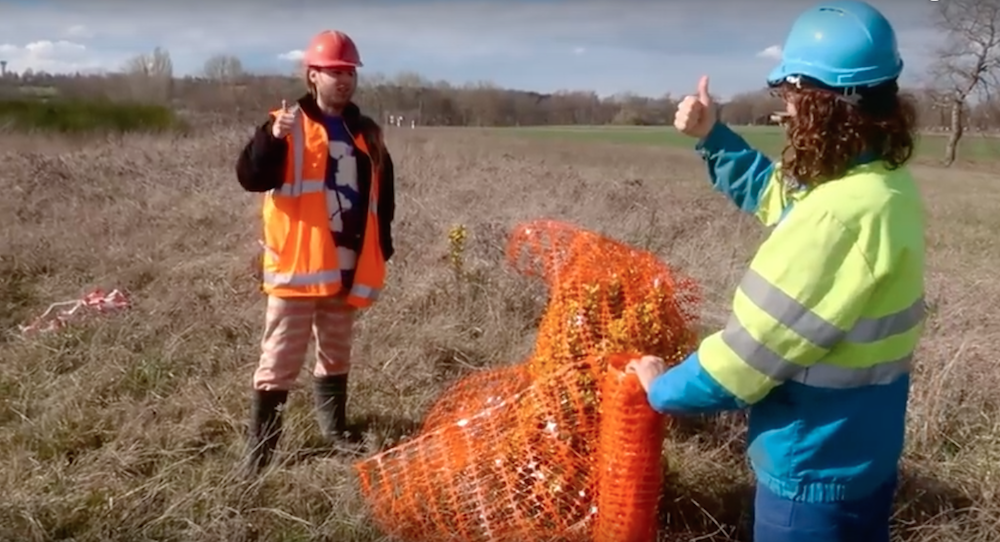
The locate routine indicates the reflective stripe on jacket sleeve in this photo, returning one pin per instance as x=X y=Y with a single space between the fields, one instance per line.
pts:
x=805 y=289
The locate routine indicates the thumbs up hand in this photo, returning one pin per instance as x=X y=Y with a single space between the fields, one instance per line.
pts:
x=284 y=121
x=696 y=114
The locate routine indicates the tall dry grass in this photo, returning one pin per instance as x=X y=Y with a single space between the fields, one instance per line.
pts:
x=131 y=427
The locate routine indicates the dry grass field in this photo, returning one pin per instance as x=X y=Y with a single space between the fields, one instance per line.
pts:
x=130 y=427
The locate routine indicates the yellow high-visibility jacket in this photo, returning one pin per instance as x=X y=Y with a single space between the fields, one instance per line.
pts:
x=824 y=325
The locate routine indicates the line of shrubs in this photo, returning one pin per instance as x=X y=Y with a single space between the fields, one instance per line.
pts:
x=79 y=116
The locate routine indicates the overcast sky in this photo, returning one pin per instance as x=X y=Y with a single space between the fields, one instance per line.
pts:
x=644 y=46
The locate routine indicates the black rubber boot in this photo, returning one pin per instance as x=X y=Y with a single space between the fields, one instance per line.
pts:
x=265 y=428
x=330 y=393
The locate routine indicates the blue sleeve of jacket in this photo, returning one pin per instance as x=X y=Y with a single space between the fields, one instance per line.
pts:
x=688 y=389
x=735 y=168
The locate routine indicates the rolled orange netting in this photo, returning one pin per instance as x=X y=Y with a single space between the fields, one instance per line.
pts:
x=629 y=466
x=518 y=470
x=476 y=393
x=564 y=446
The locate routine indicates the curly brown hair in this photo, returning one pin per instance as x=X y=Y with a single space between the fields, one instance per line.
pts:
x=829 y=132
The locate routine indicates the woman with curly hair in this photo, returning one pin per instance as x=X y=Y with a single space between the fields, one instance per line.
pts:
x=820 y=343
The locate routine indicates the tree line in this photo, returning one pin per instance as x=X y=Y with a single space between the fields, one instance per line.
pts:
x=958 y=99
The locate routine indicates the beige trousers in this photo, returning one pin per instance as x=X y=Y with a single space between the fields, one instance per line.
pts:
x=290 y=325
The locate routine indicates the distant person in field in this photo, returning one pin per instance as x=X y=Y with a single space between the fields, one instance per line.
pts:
x=328 y=210
x=820 y=342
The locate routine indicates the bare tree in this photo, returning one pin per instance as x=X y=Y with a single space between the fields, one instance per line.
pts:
x=223 y=68
x=371 y=94
x=409 y=79
x=151 y=75
x=441 y=103
x=969 y=63
x=156 y=64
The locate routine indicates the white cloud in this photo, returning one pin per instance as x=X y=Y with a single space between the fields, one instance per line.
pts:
x=294 y=55
x=79 y=31
x=446 y=29
x=647 y=46
x=52 y=56
x=772 y=52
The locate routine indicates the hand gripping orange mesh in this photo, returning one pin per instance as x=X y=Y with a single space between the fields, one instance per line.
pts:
x=629 y=471
x=564 y=446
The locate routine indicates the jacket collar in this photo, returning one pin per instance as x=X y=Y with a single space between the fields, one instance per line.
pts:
x=351 y=114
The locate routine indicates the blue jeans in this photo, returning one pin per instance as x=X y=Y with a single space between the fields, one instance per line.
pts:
x=863 y=520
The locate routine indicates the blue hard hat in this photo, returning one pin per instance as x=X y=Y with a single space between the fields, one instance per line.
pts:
x=841 y=44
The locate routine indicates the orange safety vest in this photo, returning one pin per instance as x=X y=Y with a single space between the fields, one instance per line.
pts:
x=300 y=258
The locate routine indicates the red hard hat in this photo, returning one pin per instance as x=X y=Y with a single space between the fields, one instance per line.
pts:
x=332 y=49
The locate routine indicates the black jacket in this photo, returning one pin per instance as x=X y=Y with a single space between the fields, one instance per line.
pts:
x=261 y=165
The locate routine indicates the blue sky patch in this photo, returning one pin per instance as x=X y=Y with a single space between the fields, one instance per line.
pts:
x=643 y=46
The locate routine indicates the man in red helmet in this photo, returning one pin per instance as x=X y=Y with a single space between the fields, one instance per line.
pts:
x=328 y=210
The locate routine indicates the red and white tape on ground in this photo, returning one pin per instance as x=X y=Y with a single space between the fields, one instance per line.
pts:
x=59 y=314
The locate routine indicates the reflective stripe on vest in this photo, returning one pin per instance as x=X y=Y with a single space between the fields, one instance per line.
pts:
x=810 y=326
x=302 y=279
x=361 y=294
x=299 y=185
x=318 y=278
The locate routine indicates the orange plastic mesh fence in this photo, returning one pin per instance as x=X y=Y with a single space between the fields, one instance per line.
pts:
x=475 y=393
x=564 y=446
x=515 y=471
x=629 y=471
x=605 y=296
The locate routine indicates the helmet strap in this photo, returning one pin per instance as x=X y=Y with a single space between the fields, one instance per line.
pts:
x=850 y=95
